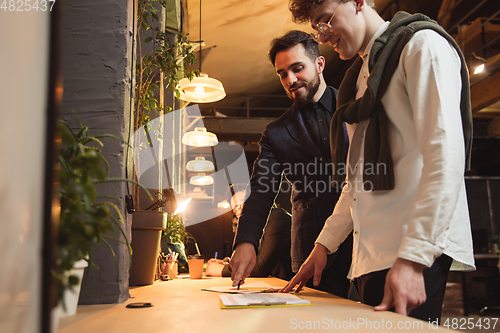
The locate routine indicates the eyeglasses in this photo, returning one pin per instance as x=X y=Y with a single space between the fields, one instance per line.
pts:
x=324 y=28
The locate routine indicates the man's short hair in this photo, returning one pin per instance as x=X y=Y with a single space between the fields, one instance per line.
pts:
x=292 y=38
x=301 y=8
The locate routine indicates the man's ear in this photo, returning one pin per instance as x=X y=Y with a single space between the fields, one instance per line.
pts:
x=320 y=64
x=359 y=4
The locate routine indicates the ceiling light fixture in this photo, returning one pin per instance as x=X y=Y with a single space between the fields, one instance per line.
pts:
x=201 y=179
x=200 y=138
x=200 y=164
x=201 y=89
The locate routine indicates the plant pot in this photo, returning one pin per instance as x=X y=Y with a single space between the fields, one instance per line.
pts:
x=147 y=227
x=67 y=307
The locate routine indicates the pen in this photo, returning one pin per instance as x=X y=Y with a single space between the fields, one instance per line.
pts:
x=215 y=257
x=239 y=285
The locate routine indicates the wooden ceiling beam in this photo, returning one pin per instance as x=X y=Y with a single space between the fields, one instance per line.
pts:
x=485 y=92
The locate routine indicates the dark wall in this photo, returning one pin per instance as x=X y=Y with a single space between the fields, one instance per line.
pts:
x=96 y=69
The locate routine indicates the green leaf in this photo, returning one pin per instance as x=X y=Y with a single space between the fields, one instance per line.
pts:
x=112 y=252
x=149 y=39
x=73 y=280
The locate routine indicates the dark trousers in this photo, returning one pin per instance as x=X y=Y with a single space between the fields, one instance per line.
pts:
x=371 y=289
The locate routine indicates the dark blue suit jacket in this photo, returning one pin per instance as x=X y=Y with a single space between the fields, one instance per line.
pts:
x=287 y=150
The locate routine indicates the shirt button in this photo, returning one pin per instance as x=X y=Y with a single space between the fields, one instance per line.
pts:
x=321 y=120
x=325 y=138
x=355 y=232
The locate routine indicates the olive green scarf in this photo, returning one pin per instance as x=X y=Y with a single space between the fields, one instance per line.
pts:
x=384 y=59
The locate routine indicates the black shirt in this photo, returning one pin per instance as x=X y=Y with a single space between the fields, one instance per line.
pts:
x=317 y=118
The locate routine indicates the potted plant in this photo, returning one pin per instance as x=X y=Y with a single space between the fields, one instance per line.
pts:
x=86 y=217
x=175 y=238
x=160 y=63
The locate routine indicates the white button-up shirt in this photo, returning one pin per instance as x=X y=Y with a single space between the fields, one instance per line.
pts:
x=426 y=214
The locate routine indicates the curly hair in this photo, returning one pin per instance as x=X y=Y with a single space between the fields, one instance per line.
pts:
x=300 y=8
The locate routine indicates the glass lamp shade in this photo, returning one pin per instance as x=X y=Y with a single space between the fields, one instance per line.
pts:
x=200 y=138
x=199 y=164
x=201 y=179
x=201 y=89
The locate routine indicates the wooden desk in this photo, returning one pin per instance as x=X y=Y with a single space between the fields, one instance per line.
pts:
x=180 y=306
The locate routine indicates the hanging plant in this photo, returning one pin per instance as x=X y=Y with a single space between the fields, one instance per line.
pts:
x=157 y=54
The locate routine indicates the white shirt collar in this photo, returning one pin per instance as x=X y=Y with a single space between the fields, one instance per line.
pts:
x=379 y=32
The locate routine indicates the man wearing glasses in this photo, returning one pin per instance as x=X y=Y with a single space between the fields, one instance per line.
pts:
x=406 y=102
x=295 y=146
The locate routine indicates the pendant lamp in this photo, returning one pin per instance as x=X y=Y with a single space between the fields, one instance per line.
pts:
x=200 y=138
x=201 y=89
x=200 y=164
x=201 y=179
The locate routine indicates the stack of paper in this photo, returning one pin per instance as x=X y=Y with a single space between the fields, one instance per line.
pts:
x=261 y=300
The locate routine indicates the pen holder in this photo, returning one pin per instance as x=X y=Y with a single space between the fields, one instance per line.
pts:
x=195 y=263
x=172 y=269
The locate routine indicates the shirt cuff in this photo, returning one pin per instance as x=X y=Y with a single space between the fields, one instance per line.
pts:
x=328 y=240
x=419 y=251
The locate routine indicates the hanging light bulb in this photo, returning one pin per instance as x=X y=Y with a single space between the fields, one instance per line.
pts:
x=199 y=164
x=201 y=89
x=201 y=179
x=200 y=138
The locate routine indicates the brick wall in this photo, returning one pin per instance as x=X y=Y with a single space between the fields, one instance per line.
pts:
x=453 y=301
x=97 y=63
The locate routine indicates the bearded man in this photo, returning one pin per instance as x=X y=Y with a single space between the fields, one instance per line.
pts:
x=295 y=146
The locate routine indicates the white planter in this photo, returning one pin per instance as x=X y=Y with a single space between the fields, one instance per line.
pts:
x=71 y=295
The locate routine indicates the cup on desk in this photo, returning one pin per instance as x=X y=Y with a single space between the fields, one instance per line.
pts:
x=195 y=263
x=172 y=269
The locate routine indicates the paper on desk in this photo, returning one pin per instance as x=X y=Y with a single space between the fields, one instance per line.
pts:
x=250 y=288
x=261 y=300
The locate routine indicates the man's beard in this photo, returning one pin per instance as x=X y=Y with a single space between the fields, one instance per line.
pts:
x=311 y=89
